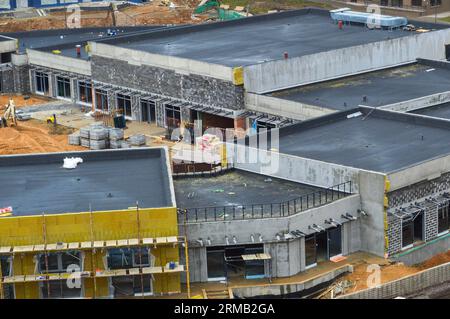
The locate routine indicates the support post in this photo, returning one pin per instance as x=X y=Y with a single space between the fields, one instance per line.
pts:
x=93 y=251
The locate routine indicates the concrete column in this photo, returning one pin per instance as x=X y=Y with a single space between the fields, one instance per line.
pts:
x=294 y=257
x=346 y=237
x=51 y=84
x=302 y=253
x=135 y=108
x=431 y=223
x=111 y=100
x=198 y=266
x=74 y=90
x=32 y=81
x=159 y=109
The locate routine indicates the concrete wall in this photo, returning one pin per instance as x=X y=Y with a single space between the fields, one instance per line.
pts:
x=198 y=271
x=167 y=82
x=275 y=75
x=419 y=103
x=370 y=186
x=287 y=255
x=15 y=78
x=179 y=65
x=269 y=227
x=408 y=285
x=294 y=168
x=285 y=108
x=9 y=45
x=425 y=171
x=59 y=62
x=425 y=252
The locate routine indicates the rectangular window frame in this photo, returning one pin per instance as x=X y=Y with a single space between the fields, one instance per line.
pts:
x=63 y=88
x=101 y=101
x=444 y=221
x=123 y=103
x=42 y=83
x=59 y=261
x=85 y=92
x=58 y=290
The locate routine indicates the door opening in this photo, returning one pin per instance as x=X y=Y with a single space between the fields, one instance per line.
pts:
x=322 y=246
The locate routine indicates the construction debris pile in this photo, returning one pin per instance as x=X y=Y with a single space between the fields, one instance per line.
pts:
x=97 y=137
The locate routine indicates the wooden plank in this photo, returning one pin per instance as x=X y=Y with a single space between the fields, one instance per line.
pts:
x=120 y=272
x=134 y=271
x=111 y=243
x=61 y=246
x=18 y=278
x=147 y=241
x=249 y=257
x=152 y=270
x=39 y=247
x=52 y=247
x=99 y=244
x=31 y=278
x=22 y=249
x=54 y=277
x=104 y=273
x=122 y=242
x=179 y=268
x=5 y=249
x=86 y=244
x=172 y=239
x=264 y=256
x=161 y=240
x=74 y=245
x=133 y=242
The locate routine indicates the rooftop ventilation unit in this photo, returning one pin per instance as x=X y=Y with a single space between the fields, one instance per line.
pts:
x=367 y=18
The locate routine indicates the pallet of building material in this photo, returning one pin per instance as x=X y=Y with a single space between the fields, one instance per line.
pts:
x=85 y=142
x=124 y=144
x=115 y=144
x=97 y=144
x=137 y=140
x=115 y=134
x=98 y=133
x=84 y=132
x=74 y=139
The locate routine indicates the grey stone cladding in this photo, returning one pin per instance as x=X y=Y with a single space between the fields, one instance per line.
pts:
x=188 y=87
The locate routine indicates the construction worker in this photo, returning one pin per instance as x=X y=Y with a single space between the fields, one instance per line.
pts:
x=10 y=112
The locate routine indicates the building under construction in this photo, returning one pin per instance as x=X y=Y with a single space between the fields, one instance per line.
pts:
x=209 y=71
x=360 y=168
x=101 y=227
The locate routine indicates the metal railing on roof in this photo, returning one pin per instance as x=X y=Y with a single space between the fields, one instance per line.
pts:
x=271 y=210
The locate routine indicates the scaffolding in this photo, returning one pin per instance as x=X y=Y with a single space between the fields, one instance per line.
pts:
x=93 y=246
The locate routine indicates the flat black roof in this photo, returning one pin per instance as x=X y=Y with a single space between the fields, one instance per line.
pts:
x=257 y=39
x=108 y=180
x=380 y=88
x=237 y=188
x=59 y=38
x=441 y=111
x=376 y=140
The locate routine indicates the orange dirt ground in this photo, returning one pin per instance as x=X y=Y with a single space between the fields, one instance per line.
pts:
x=20 y=101
x=32 y=136
x=391 y=272
x=151 y=13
